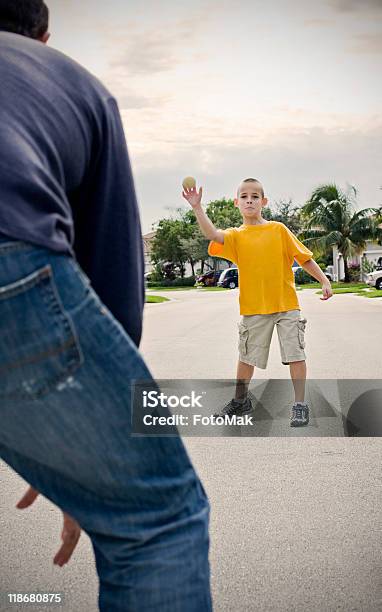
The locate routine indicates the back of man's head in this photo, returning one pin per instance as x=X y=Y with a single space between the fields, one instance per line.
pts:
x=26 y=17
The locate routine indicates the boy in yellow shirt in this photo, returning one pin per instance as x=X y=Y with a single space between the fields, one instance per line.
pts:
x=264 y=252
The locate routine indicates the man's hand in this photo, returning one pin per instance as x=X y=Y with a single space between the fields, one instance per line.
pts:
x=70 y=534
x=192 y=196
x=327 y=290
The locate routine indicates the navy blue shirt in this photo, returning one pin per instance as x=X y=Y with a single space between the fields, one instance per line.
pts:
x=65 y=176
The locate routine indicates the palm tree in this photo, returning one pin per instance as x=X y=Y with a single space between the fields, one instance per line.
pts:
x=330 y=219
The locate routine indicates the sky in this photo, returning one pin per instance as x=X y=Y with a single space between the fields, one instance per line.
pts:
x=288 y=92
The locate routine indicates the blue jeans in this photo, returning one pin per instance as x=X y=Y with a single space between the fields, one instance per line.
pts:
x=65 y=422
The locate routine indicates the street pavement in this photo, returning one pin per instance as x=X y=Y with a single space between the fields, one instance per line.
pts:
x=296 y=519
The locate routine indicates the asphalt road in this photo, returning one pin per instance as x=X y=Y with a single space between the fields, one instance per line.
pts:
x=195 y=336
x=296 y=520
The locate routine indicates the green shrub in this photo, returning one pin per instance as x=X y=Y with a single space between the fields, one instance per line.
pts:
x=354 y=273
x=301 y=277
x=367 y=266
x=159 y=283
x=187 y=281
x=157 y=273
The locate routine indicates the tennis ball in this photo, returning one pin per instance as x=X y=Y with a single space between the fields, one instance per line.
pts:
x=189 y=182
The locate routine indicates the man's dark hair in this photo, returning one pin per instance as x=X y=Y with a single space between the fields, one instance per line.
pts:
x=26 y=17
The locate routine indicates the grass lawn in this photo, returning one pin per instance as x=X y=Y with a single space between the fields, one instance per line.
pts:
x=345 y=290
x=186 y=288
x=214 y=289
x=358 y=289
x=169 y=288
x=374 y=293
x=334 y=285
x=155 y=299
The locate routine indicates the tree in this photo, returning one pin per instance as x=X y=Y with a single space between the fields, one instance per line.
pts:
x=195 y=248
x=330 y=219
x=223 y=213
x=166 y=245
x=285 y=212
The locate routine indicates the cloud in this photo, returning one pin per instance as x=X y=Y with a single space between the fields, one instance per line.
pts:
x=145 y=53
x=290 y=163
x=129 y=101
x=367 y=43
x=318 y=22
x=349 y=6
x=156 y=50
x=177 y=132
x=129 y=97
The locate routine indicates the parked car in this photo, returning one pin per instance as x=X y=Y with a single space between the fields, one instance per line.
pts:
x=229 y=278
x=329 y=273
x=374 y=279
x=209 y=279
x=295 y=268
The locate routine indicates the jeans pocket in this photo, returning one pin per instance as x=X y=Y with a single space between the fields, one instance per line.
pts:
x=243 y=339
x=301 y=324
x=39 y=347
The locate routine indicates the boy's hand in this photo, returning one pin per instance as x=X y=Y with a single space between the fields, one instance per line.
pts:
x=327 y=290
x=192 y=196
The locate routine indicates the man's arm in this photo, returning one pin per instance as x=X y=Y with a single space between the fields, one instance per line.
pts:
x=108 y=239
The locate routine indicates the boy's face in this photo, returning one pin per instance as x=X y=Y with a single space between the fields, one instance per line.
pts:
x=250 y=200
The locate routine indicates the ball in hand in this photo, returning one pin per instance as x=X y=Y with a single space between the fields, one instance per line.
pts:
x=189 y=182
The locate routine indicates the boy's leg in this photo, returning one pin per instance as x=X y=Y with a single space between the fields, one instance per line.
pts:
x=255 y=334
x=291 y=329
x=243 y=378
x=298 y=376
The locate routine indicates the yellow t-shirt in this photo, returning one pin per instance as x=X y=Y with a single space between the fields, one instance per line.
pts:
x=264 y=255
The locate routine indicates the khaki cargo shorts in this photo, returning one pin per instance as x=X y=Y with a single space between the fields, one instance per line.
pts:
x=255 y=335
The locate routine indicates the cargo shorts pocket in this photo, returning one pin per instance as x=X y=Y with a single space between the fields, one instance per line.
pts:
x=243 y=339
x=301 y=324
x=39 y=347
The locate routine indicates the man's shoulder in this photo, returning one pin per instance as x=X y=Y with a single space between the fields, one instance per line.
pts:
x=46 y=60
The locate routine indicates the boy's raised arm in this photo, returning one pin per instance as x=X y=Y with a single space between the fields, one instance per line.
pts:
x=194 y=198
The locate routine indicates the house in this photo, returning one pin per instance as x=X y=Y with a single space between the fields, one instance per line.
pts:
x=147 y=242
x=372 y=253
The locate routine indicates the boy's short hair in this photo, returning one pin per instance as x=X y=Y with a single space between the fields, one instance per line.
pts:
x=26 y=17
x=252 y=180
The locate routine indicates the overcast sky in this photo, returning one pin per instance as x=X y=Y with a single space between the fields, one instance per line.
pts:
x=288 y=92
